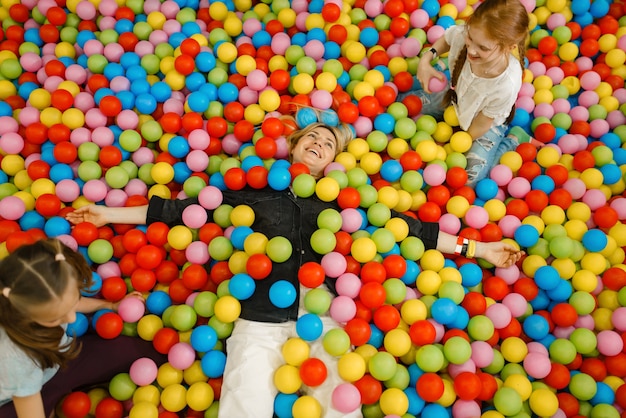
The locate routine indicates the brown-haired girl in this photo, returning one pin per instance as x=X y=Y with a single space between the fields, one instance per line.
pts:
x=40 y=293
x=486 y=60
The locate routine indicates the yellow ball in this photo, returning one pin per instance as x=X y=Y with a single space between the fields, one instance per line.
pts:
x=450 y=10
x=457 y=206
x=287 y=379
x=575 y=228
x=173 y=398
x=547 y=157
x=73 y=118
x=42 y=186
x=397 y=342
x=398 y=227
x=245 y=64
x=237 y=262
x=314 y=21
x=397 y=147
x=233 y=25
x=39 y=98
x=327 y=189
x=555 y=6
x=428 y=282
x=363 y=249
x=553 y=214
x=194 y=373
x=450 y=117
x=388 y=196
x=461 y=141
x=496 y=209
x=592 y=177
x=543 y=96
x=594 y=262
x=218 y=11
x=149 y=393
x=346 y=159
x=371 y=163
x=579 y=211
x=413 y=310
x=156 y=19
x=363 y=89
x=532 y=263
x=375 y=78
x=254 y=113
x=356 y=52
x=227 y=309
x=512 y=160
x=306 y=407
x=21 y=180
x=200 y=396
x=295 y=351
x=394 y=401
x=226 y=52
x=70 y=86
x=242 y=215
x=513 y=349
x=148 y=326
x=542 y=82
x=351 y=367
x=543 y=402
x=607 y=42
x=565 y=266
x=143 y=410
x=50 y=116
x=287 y=17
x=568 y=52
x=520 y=384
x=162 y=172
x=168 y=375
x=255 y=243
x=432 y=260
x=397 y=65
x=358 y=147
x=326 y=81
x=442 y=133
x=615 y=58
x=584 y=280
x=427 y=150
x=303 y=83
x=179 y=237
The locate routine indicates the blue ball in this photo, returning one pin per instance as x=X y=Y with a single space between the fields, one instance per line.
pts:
x=203 y=338
x=56 y=226
x=96 y=285
x=431 y=7
x=283 y=294
x=138 y=87
x=161 y=91
x=316 y=34
x=604 y=394
x=385 y=123
x=32 y=220
x=544 y=183
x=594 y=240
x=599 y=8
x=526 y=235
x=460 y=320
x=434 y=410
x=261 y=38
x=145 y=103
x=79 y=326
x=536 y=327
x=239 y=235
x=611 y=140
x=241 y=286
x=178 y=146
x=130 y=59
x=158 y=301
x=205 y=61
x=332 y=50
x=305 y=117
x=391 y=170
x=562 y=292
x=5 y=109
x=369 y=37
x=113 y=70
x=611 y=174
x=443 y=310
x=227 y=92
x=251 y=161
x=547 y=277
x=181 y=172
x=486 y=189
x=411 y=273
x=279 y=178
x=136 y=72
x=416 y=403
x=309 y=327
x=194 y=81
x=283 y=404
x=377 y=337
x=329 y=117
x=213 y=363
x=471 y=274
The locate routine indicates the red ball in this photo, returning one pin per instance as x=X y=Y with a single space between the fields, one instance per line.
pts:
x=545 y=132
x=489 y=386
x=372 y=295
x=110 y=156
x=403 y=80
x=134 y=240
x=259 y=266
x=614 y=278
x=348 y=112
x=256 y=177
x=344 y=243
x=110 y=106
x=313 y=372
x=331 y=12
x=150 y=256
x=373 y=271
x=349 y=197
x=48 y=205
x=430 y=387
x=235 y=178
x=114 y=289
x=564 y=314
x=386 y=318
x=559 y=376
x=422 y=332
x=429 y=212
x=311 y=274
x=109 y=325
x=547 y=45
x=358 y=330
x=474 y=303
x=76 y=405
x=369 y=388
x=456 y=177
x=386 y=95
x=605 y=217
x=395 y=266
x=438 y=195
x=467 y=386
x=109 y=408
x=536 y=200
x=164 y=339
x=410 y=160
x=583 y=160
x=157 y=233
x=195 y=277
x=561 y=198
x=143 y=280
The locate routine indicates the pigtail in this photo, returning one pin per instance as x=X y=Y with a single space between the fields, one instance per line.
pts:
x=450 y=96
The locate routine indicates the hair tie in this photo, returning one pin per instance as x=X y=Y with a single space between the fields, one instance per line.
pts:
x=6 y=291
x=59 y=257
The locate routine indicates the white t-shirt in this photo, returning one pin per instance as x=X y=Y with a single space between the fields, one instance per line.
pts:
x=19 y=374
x=493 y=96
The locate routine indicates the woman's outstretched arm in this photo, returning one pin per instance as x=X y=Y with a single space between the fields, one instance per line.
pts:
x=101 y=215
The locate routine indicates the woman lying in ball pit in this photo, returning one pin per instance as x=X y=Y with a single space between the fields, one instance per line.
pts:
x=254 y=348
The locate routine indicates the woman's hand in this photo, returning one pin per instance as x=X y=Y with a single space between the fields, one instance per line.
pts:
x=95 y=214
x=499 y=254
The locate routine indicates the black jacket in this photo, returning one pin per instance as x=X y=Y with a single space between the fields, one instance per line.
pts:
x=278 y=213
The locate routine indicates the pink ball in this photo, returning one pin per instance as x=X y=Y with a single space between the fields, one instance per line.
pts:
x=537 y=68
x=113 y=52
x=436 y=85
x=181 y=355
x=509 y=274
x=449 y=223
x=251 y=26
x=351 y=220
x=410 y=47
x=28 y=115
x=526 y=103
x=419 y=18
x=585 y=321
x=31 y=62
x=363 y=126
x=527 y=89
x=518 y=187
x=476 y=217
x=76 y=73
x=594 y=198
x=348 y=284
x=170 y=9
x=556 y=74
x=197 y=160
x=563 y=332
x=561 y=105
x=455 y=369
x=342 y=309
x=197 y=252
x=109 y=269
x=543 y=109
x=508 y=224
x=536 y=347
x=555 y=20
x=334 y=264
x=482 y=353
x=618 y=318
x=248 y=96
x=568 y=144
x=210 y=197
x=501 y=174
x=321 y=99
x=116 y=198
x=127 y=119
x=84 y=101
x=199 y=139
x=11 y=143
x=93 y=46
x=588 y=98
x=8 y=124
x=610 y=343
x=256 y=80
x=194 y=216
x=590 y=80
x=131 y=309
x=615 y=118
x=94 y=118
x=346 y=398
x=619 y=205
x=465 y=409
x=68 y=240
x=120 y=83
x=143 y=155
x=516 y=303
x=434 y=175
x=434 y=32
x=334 y=166
x=143 y=371
x=499 y=314
x=575 y=187
x=314 y=49
x=136 y=187
x=95 y=190
x=280 y=42
x=537 y=365
x=584 y=64
x=598 y=127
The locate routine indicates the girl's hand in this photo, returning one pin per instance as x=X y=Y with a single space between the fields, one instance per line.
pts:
x=95 y=214
x=499 y=254
x=425 y=71
x=133 y=294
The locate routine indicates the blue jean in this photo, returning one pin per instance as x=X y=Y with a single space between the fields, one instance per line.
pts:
x=485 y=151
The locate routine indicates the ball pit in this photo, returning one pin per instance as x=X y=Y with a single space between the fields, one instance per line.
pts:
x=117 y=101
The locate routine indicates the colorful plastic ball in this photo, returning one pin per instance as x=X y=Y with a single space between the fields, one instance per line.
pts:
x=526 y=235
x=282 y=294
x=309 y=327
x=76 y=404
x=346 y=398
x=307 y=407
x=131 y=309
x=143 y=371
x=183 y=317
x=109 y=325
x=181 y=355
x=594 y=240
x=121 y=387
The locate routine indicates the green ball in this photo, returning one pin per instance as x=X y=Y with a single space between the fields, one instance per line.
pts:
x=131 y=168
x=377 y=141
x=456 y=159
x=186 y=15
x=552 y=231
x=457 y=350
x=430 y=358
x=229 y=163
x=603 y=410
x=135 y=5
x=164 y=50
x=561 y=247
x=340 y=177
x=597 y=111
x=333 y=66
x=412 y=248
x=145 y=174
x=538 y=121
x=100 y=251
x=221 y=215
x=584 y=341
x=108 y=36
x=382 y=366
x=88 y=151
x=602 y=154
x=411 y=181
x=538 y=35
x=279 y=249
x=584 y=302
x=426 y=123
x=223 y=330
x=96 y=63
x=395 y=290
x=560 y=92
x=323 y=241
x=29 y=47
x=7 y=189
x=357 y=177
x=116 y=177
x=369 y=195
x=621 y=294
x=122 y=387
x=480 y=328
x=541 y=248
x=336 y=342
x=357 y=15
x=304 y=185
x=496 y=365
x=453 y=291
x=399 y=111
x=223 y=289
x=151 y=63
x=510 y=369
x=294 y=53
x=400 y=380
x=183 y=317
x=217 y=76
x=317 y=301
x=562 y=34
x=193 y=185
x=582 y=386
x=382 y=22
x=306 y=65
x=378 y=214
x=330 y=219
x=384 y=240
x=357 y=72
x=220 y=248
x=204 y=304
x=562 y=351
x=405 y=128
x=507 y=401
x=142 y=30
x=10 y=69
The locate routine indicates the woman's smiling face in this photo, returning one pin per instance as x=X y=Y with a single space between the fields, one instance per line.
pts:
x=316 y=149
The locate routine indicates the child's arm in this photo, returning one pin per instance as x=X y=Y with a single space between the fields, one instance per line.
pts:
x=499 y=253
x=29 y=406
x=480 y=125
x=89 y=305
x=425 y=70
x=101 y=215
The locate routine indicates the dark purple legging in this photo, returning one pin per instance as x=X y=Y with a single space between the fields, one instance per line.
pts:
x=98 y=361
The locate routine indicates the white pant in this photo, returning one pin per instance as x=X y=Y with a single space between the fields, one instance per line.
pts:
x=254 y=354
